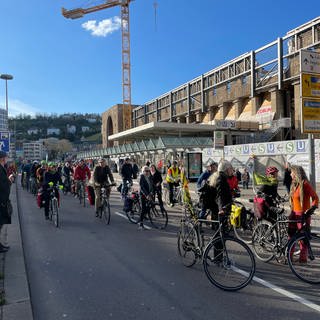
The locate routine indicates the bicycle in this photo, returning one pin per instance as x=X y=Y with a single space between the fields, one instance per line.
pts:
x=272 y=240
x=177 y=194
x=227 y=261
x=104 y=210
x=82 y=193
x=157 y=216
x=132 y=206
x=54 y=204
x=33 y=186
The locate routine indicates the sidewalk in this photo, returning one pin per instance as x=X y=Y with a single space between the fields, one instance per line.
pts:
x=17 y=297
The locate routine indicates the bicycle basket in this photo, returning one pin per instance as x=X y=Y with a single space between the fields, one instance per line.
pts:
x=235 y=216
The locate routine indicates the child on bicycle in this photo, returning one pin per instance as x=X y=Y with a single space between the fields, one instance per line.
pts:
x=301 y=192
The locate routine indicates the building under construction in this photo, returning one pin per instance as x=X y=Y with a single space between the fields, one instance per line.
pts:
x=254 y=97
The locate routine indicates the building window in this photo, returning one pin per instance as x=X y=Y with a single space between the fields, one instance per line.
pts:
x=214 y=91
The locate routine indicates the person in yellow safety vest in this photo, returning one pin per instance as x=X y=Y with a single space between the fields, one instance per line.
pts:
x=173 y=178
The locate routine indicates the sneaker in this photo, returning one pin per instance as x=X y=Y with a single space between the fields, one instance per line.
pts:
x=171 y=205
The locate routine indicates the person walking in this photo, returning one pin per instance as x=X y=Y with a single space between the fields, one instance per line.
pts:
x=302 y=197
x=5 y=204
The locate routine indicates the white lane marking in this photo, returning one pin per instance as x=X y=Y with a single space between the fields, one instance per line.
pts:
x=122 y=215
x=284 y=292
x=289 y=294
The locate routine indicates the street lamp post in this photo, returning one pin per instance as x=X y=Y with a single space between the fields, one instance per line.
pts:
x=6 y=77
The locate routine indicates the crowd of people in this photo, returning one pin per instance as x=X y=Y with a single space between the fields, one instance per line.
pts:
x=217 y=186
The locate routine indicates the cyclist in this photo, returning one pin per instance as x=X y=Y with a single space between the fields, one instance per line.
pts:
x=40 y=172
x=66 y=174
x=300 y=194
x=51 y=175
x=25 y=173
x=81 y=172
x=173 y=179
x=156 y=183
x=270 y=189
x=33 y=172
x=146 y=193
x=127 y=174
x=204 y=189
x=101 y=176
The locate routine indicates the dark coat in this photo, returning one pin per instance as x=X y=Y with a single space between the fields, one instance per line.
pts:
x=126 y=171
x=145 y=187
x=224 y=195
x=4 y=196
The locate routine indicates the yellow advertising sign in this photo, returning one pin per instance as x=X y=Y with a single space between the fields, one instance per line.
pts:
x=310 y=115
x=310 y=85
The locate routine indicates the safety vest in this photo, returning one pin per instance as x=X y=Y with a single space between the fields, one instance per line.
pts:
x=173 y=174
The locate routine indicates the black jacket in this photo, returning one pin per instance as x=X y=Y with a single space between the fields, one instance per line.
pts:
x=126 y=171
x=224 y=196
x=145 y=187
x=4 y=196
x=102 y=174
x=156 y=178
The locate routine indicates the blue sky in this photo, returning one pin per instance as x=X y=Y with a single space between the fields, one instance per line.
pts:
x=61 y=65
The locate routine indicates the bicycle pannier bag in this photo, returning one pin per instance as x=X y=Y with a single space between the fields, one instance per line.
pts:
x=260 y=207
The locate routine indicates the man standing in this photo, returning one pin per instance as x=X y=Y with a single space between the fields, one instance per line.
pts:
x=5 y=184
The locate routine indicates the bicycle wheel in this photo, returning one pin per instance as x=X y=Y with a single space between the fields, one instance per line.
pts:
x=264 y=241
x=106 y=214
x=305 y=268
x=188 y=244
x=83 y=191
x=229 y=263
x=158 y=217
x=55 y=213
x=134 y=214
x=245 y=231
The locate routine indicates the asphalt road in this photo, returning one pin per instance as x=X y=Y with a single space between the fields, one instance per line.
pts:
x=90 y=271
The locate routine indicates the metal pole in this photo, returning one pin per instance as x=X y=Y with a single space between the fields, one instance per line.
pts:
x=312 y=167
x=7 y=96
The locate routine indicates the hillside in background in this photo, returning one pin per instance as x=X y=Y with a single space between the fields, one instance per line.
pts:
x=73 y=127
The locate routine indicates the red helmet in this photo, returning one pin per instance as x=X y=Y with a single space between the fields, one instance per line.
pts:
x=271 y=170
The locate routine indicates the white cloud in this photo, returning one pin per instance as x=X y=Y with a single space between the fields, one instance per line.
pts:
x=104 y=27
x=17 y=107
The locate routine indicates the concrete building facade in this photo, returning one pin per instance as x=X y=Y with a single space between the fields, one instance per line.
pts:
x=259 y=91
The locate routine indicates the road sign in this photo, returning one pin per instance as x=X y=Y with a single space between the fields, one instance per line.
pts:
x=310 y=85
x=310 y=115
x=4 y=141
x=310 y=61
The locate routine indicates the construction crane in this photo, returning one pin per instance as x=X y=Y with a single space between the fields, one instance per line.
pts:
x=126 y=66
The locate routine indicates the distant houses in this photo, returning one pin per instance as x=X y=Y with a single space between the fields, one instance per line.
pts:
x=32 y=131
x=53 y=131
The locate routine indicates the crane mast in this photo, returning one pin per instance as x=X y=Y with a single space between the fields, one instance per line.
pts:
x=125 y=30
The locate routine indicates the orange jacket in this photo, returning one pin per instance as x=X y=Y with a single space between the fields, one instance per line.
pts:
x=308 y=193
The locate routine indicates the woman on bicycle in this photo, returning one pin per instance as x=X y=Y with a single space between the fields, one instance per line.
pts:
x=146 y=193
x=156 y=183
x=301 y=193
x=53 y=176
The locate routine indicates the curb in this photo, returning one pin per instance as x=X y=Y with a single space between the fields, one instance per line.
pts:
x=17 y=295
